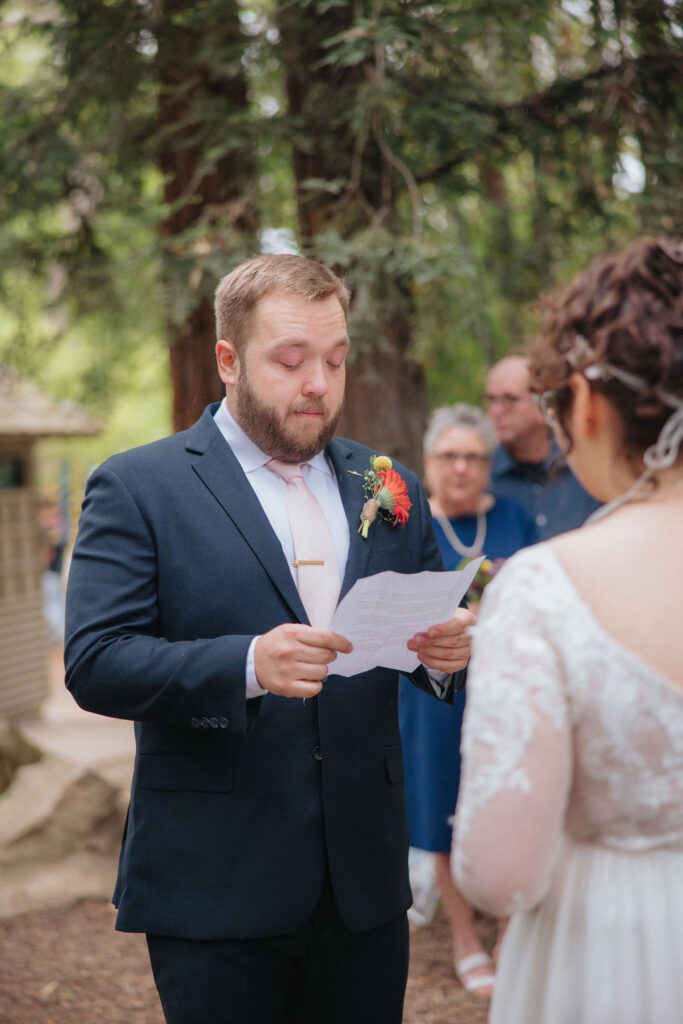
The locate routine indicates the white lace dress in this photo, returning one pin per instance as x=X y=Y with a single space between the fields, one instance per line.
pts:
x=570 y=813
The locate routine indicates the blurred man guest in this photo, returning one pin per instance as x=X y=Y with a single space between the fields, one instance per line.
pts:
x=527 y=466
x=266 y=850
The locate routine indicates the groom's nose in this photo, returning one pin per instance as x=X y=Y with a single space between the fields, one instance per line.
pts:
x=316 y=382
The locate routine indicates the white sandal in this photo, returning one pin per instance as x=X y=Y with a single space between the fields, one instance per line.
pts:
x=470 y=963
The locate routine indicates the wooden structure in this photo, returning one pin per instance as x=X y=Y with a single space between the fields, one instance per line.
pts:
x=26 y=416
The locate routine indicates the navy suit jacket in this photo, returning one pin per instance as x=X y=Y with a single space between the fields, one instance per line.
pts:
x=237 y=806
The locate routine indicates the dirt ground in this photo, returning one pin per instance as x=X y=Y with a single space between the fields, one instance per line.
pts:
x=69 y=966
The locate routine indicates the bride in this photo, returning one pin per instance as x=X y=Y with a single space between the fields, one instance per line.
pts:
x=570 y=814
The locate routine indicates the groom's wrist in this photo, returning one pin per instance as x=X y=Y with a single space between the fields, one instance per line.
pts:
x=252 y=686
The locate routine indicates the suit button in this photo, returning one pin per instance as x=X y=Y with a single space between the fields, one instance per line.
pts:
x=204 y=722
x=194 y=722
x=213 y=722
x=224 y=722
x=316 y=754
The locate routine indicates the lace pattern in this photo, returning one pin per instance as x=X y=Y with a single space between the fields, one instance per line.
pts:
x=565 y=730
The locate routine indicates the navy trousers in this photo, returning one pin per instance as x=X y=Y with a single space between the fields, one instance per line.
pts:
x=321 y=974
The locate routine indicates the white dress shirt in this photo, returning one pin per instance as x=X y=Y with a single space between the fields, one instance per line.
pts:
x=270 y=491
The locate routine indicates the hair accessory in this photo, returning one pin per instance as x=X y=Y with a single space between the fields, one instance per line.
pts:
x=660 y=455
x=605 y=372
x=664 y=452
x=580 y=352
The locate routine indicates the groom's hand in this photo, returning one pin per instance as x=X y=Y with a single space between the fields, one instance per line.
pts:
x=446 y=646
x=291 y=660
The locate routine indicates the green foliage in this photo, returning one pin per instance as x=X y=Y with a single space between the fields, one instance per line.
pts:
x=78 y=275
x=501 y=131
x=454 y=160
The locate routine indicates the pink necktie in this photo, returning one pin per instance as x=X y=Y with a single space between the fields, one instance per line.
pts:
x=315 y=558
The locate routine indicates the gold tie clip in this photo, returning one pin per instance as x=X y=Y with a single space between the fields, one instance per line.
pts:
x=307 y=561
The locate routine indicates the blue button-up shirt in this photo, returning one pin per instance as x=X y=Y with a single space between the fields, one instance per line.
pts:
x=550 y=493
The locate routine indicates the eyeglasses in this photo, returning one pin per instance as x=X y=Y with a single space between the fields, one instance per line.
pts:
x=506 y=402
x=471 y=459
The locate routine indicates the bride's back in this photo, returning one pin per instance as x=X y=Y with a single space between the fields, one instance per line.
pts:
x=628 y=569
x=593 y=706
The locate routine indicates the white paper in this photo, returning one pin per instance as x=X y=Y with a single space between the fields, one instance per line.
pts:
x=381 y=613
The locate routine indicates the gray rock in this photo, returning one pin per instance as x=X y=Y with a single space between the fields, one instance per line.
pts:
x=54 y=808
x=15 y=751
x=27 y=887
x=62 y=815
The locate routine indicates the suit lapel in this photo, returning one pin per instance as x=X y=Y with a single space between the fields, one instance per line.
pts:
x=219 y=470
x=347 y=463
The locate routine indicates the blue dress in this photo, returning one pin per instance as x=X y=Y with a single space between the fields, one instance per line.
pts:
x=430 y=729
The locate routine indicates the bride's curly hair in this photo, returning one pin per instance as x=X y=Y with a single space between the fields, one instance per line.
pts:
x=627 y=310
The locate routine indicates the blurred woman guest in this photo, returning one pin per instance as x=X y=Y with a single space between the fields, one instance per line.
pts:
x=468 y=522
x=571 y=807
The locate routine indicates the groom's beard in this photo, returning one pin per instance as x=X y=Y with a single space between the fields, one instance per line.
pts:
x=283 y=437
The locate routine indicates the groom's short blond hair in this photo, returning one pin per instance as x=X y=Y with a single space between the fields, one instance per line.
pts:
x=240 y=291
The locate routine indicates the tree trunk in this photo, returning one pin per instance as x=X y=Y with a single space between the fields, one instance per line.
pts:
x=210 y=202
x=194 y=377
x=386 y=399
x=386 y=394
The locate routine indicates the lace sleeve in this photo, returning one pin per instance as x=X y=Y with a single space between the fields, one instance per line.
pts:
x=516 y=743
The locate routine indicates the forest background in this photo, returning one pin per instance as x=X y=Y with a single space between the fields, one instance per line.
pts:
x=453 y=159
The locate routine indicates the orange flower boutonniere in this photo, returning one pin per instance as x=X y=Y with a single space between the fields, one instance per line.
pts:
x=386 y=495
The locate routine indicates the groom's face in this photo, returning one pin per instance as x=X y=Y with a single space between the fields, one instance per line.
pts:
x=286 y=386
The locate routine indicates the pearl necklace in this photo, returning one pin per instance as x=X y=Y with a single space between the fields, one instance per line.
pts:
x=467 y=551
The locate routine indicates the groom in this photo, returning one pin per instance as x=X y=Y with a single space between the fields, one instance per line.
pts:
x=265 y=851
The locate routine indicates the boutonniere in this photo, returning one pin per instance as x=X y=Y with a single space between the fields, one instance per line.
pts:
x=386 y=494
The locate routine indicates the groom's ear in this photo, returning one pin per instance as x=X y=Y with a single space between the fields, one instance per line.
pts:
x=228 y=361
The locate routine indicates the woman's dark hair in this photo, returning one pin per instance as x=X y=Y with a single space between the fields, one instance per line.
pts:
x=625 y=310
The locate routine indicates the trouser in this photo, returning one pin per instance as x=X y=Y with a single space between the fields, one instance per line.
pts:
x=321 y=974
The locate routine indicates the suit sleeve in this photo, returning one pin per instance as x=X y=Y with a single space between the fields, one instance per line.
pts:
x=116 y=662
x=441 y=685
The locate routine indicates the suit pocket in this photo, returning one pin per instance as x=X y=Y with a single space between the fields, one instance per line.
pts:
x=199 y=774
x=393 y=760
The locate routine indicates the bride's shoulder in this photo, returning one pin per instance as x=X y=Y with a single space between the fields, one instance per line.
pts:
x=596 y=546
x=531 y=569
x=530 y=588
x=588 y=535
x=535 y=557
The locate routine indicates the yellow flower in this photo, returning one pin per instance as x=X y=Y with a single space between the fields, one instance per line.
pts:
x=486 y=565
x=380 y=463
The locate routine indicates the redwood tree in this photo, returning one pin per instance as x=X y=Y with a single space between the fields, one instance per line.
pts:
x=451 y=159
x=511 y=122
x=345 y=177
x=206 y=155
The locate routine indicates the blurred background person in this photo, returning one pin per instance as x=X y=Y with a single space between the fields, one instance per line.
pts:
x=527 y=466
x=571 y=805
x=468 y=521
x=54 y=537
x=54 y=533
